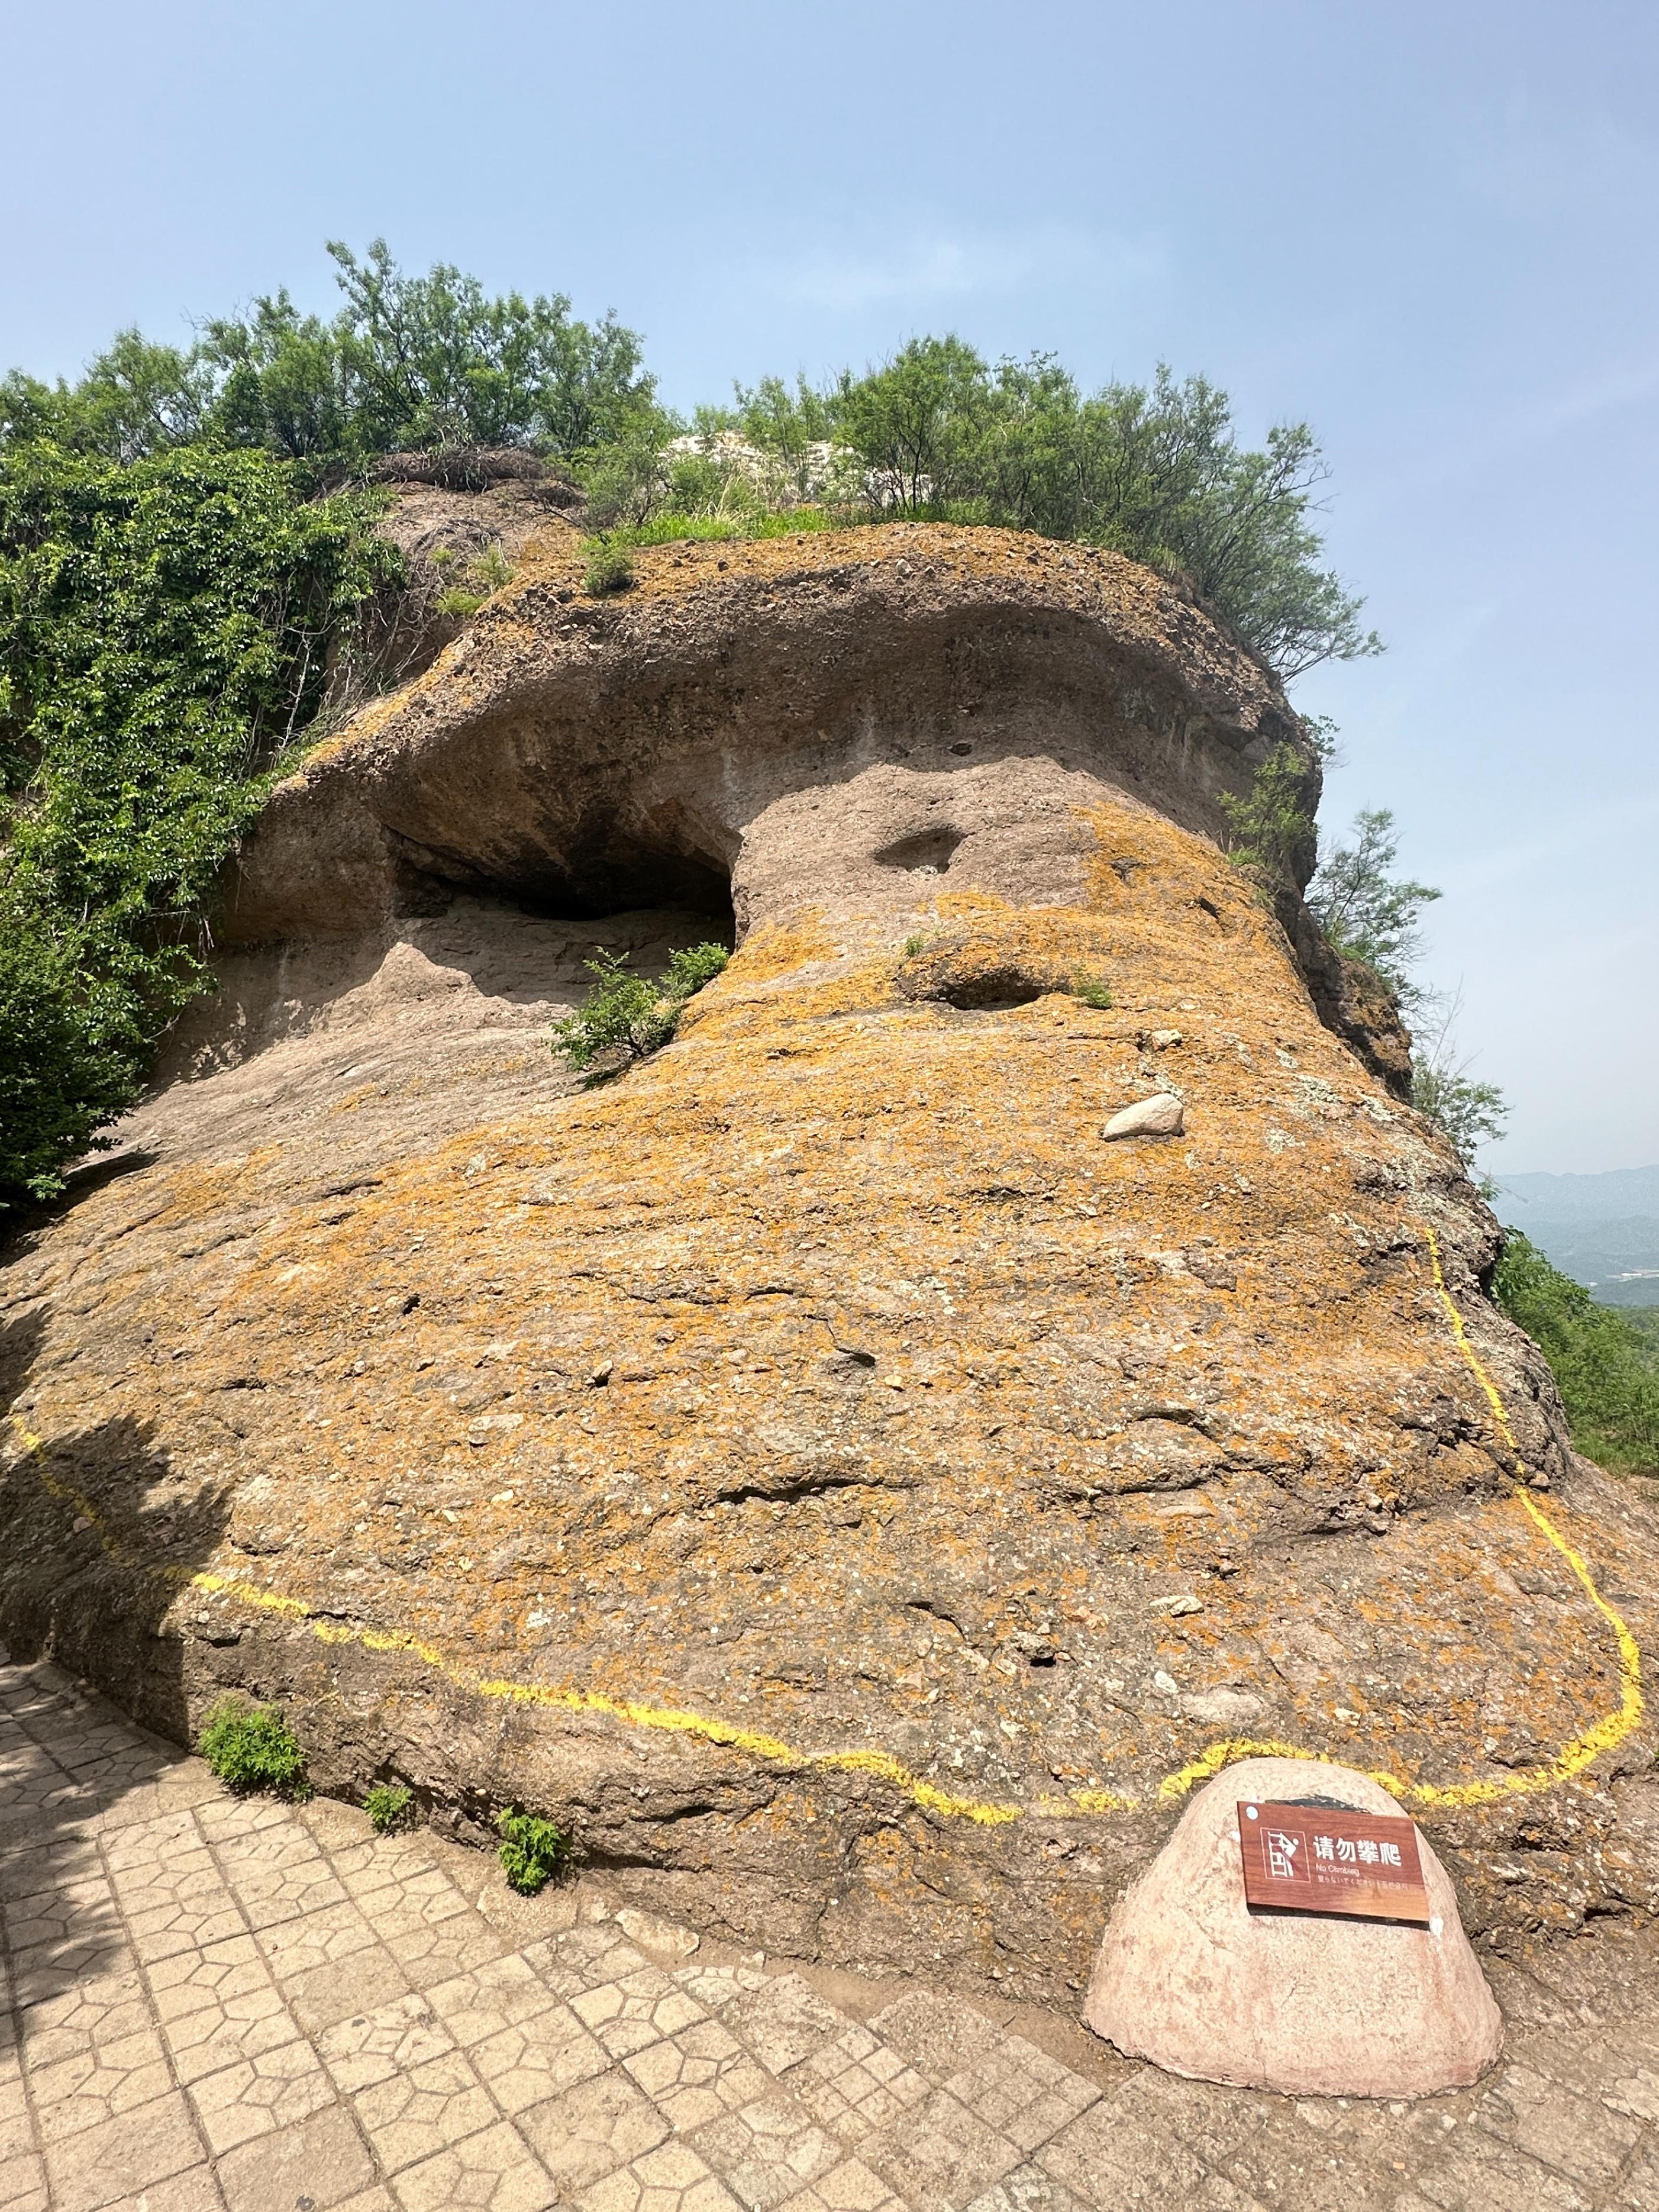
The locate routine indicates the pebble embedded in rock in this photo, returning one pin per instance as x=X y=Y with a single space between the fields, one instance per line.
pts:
x=1182 y=1603
x=1162 y=1117
x=1164 y=1040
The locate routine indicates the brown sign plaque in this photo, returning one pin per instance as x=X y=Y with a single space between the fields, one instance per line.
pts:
x=1327 y=1858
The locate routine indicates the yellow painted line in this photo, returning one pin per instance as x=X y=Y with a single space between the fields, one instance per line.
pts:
x=1604 y=1735
x=1572 y=1758
x=676 y=1722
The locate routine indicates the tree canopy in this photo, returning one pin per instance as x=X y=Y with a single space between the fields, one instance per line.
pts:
x=1607 y=1366
x=1155 y=471
x=409 y=363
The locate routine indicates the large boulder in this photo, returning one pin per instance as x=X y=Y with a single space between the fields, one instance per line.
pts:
x=817 y=1465
x=1189 y=1977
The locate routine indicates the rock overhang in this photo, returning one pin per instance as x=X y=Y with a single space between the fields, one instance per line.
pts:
x=590 y=755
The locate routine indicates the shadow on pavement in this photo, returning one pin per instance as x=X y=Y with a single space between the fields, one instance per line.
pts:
x=96 y=1544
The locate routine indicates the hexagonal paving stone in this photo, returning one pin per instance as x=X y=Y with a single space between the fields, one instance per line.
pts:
x=584 y=1958
x=641 y=2008
x=99 y=2083
x=373 y=2046
x=273 y=2089
x=697 y=2074
x=768 y=2150
x=424 y=2109
x=671 y=2180
x=498 y=1994
x=527 y=2064
x=218 y=2034
x=590 y=2131
x=493 y=2171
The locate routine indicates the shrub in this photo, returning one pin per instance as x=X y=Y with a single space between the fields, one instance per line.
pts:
x=692 y=967
x=492 y=569
x=533 y=1851
x=609 y=566
x=252 y=1748
x=459 y=602
x=387 y=1806
x=1093 y=990
x=625 y=1016
x=1271 y=832
x=70 y=1056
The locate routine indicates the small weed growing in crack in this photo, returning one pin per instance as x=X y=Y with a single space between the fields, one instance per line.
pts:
x=252 y=1748
x=387 y=1806
x=1093 y=990
x=532 y=1852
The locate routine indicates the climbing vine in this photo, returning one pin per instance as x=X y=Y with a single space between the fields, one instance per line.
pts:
x=167 y=629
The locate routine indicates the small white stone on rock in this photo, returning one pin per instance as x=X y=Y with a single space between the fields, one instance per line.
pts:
x=1185 y=1602
x=1162 y=1117
x=1164 y=1040
x=1223 y=1708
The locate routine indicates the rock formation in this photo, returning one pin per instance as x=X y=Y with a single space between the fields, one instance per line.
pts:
x=820 y=1466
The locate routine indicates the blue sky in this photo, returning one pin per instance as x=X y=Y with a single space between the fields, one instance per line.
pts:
x=1429 y=229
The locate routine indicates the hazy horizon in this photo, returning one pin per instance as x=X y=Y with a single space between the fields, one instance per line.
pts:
x=1428 y=230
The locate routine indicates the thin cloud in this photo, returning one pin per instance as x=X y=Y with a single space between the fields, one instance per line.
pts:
x=941 y=265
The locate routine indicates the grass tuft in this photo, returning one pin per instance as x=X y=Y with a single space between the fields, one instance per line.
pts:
x=252 y=1748
x=533 y=1851
x=387 y=1806
x=610 y=566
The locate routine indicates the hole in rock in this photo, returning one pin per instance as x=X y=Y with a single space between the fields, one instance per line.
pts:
x=928 y=850
x=991 y=990
x=616 y=879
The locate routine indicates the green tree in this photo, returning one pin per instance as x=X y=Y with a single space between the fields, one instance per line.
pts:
x=790 y=427
x=433 y=361
x=1367 y=912
x=1606 y=1369
x=917 y=424
x=1467 y=1113
x=285 y=385
x=408 y=363
x=1155 y=473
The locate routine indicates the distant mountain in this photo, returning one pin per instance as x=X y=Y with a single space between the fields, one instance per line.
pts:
x=1602 y=1229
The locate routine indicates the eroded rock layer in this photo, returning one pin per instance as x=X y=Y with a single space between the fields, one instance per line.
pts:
x=819 y=1466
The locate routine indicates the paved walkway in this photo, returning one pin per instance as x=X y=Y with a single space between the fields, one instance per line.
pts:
x=234 y=2004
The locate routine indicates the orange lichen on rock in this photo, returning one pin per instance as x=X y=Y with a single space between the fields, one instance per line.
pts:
x=822 y=1420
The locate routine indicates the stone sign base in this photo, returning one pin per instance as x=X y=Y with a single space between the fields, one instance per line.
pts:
x=1188 y=1978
